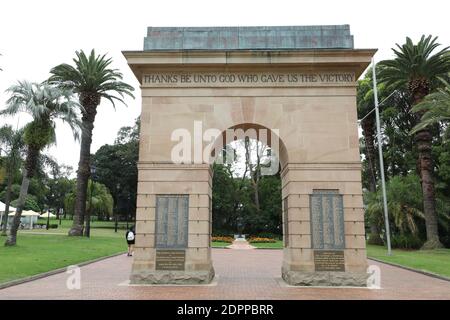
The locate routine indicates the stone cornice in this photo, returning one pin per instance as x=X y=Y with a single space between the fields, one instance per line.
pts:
x=356 y=60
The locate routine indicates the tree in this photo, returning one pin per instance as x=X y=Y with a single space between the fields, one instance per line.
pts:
x=59 y=186
x=29 y=204
x=227 y=196
x=12 y=144
x=45 y=103
x=418 y=69
x=365 y=112
x=117 y=168
x=365 y=108
x=435 y=109
x=102 y=201
x=92 y=79
x=245 y=200
x=404 y=203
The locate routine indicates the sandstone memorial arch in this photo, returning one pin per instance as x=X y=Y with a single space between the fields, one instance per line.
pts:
x=297 y=81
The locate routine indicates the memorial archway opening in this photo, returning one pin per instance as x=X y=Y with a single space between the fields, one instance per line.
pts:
x=246 y=184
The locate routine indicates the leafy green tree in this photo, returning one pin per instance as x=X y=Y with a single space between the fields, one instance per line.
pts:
x=366 y=114
x=405 y=203
x=227 y=197
x=45 y=103
x=92 y=79
x=30 y=203
x=59 y=186
x=11 y=142
x=269 y=218
x=102 y=201
x=417 y=68
x=399 y=150
x=365 y=106
x=233 y=203
x=117 y=169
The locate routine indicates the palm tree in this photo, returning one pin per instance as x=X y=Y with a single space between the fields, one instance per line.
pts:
x=404 y=194
x=12 y=140
x=417 y=68
x=45 y=103
x=435 y=109
x=92 y=79
x=102 y=201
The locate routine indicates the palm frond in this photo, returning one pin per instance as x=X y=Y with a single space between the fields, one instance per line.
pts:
x=435 y=109
x=415 y=61
x=45 y=102
x=92 y=74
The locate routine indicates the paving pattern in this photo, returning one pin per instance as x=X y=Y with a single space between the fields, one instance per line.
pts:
x=241 y=274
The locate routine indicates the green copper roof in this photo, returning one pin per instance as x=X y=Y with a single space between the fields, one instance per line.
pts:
x=248 y=38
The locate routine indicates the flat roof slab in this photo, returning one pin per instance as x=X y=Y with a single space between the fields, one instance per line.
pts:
x=248 y=38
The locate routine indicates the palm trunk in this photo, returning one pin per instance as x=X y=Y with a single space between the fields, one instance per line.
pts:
x=368 y=128
x=28 y=172
x=83 y=172
x=12 y=237
x=7 y=201
x=424 y=143
x=424 y=140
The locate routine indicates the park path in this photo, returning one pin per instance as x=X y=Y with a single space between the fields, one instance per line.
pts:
x=241 y=274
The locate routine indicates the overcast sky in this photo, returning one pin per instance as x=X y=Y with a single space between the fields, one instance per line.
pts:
x=37 y=35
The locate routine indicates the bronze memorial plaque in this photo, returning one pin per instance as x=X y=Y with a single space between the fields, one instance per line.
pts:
x=329 y=260
x=170 y=260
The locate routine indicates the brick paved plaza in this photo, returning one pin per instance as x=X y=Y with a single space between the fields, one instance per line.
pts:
x=241 y=274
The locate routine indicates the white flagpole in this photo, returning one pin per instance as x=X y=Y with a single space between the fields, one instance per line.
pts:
x=380 y=154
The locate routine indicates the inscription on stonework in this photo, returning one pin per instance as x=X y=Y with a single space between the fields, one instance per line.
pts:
x=327 y=220
x=329 y=260
x=172 y=214
x=170 y=259
x=247 y=79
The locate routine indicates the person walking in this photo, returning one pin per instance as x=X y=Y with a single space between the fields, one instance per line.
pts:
x=130 y=236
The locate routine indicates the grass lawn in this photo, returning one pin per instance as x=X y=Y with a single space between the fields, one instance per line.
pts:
x=39 y=251
x=219 y=244
x=435 y=261
x=274 y=245
x=66 y=224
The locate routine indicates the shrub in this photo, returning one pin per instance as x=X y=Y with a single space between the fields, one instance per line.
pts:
x=406 y=242
x=44 y=225
x=375 y=239
x=221 y=233
x=445 y=240
x=261 y=240
x=223 y=239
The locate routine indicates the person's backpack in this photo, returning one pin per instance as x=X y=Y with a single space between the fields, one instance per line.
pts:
x=130 y=236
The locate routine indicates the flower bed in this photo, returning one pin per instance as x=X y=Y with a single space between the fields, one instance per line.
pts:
x=261 y=240
x=223 y=239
